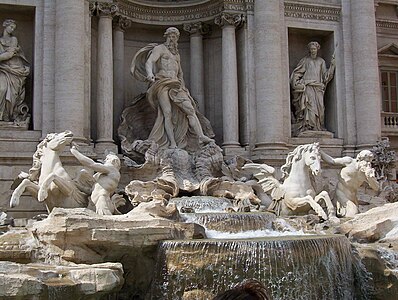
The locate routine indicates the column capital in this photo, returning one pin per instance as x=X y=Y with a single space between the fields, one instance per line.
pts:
x=198 y=28
x=121 y=23
x=227 y=19
x=103 y=9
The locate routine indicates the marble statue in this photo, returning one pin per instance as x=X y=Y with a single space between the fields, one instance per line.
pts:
x=177 y=122
x=47 y=180
x=296 y=194
x=106 y=181
x=308 y=81
x=354 y=172
x=13 y=73
x=167 y=140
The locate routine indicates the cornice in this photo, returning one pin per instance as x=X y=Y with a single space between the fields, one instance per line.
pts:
x=313 y=12
x=158 y=13
x=386 y=24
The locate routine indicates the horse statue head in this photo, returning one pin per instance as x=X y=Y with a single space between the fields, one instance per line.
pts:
x=309 y=154
x=58 y=141
x=53 y=141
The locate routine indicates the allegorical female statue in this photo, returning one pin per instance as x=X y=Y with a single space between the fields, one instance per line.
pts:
x=308 y=81
x=13 y=72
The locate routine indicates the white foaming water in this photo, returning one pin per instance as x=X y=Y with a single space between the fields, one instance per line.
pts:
x=214 y=234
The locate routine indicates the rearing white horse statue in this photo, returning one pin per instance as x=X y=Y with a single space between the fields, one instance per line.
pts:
x=296 y=195
x=47 y=180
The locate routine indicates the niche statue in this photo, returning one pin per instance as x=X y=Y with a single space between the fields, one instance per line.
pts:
x=13 y=73
x=177 y=116
x=308 y=81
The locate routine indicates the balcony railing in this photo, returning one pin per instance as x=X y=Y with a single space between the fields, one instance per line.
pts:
x=389 y=123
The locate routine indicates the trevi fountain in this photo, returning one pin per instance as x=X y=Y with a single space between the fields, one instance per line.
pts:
x=197 y=179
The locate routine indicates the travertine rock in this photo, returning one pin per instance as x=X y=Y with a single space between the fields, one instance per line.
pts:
x=43 y=281
x=81 y=236
x=377 y=224
x=376 y=234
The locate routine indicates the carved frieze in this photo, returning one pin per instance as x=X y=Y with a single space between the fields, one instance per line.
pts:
x=98 y=8
x=316 y=12
x=386 y=24
x=179 y=13
x=225 y=19
x=197 y=28
x=121 y=23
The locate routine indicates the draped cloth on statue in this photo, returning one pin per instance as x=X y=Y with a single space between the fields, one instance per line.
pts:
x=308 y=103
x=177 y=92
x=13 y=73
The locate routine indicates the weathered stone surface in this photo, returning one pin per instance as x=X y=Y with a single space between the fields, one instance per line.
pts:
x=17 y=245
x=43 y=281
x=82 y=236
x=376 y=232
x=381 y=260
x=377 y=224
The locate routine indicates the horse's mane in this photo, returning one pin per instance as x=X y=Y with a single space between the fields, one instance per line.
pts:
x=296 y=155
x=34 y=171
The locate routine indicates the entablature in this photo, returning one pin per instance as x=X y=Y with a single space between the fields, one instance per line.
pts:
x=179 y=12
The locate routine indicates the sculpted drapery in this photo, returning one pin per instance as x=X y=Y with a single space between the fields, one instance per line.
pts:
x=178 y=124
x=13 y=73
x=308 y=81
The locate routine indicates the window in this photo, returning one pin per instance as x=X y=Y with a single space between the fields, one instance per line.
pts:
x=389 y=90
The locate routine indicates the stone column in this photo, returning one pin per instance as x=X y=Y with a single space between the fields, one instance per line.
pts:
x=230 y=104
x=269 y=75
x=69 y=67
x=104 y=140
x=38 y=63
x=49 y=53
x=366 y=72
x=245 y=53
x=197 y=87
x=120 y=24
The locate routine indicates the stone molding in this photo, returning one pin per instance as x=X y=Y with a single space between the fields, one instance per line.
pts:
x=308 y=11
x=103 y=9
x=121 y=23
x=226 y=19
x=386 y=24
x=197 y=28
x=158 y=13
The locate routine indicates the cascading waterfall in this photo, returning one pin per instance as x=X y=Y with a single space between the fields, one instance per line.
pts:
x=291 y=267
x=311 y=267
x=202 y=203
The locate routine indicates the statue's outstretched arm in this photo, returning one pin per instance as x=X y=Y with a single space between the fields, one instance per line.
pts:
x=88 y=162
x=339 y=161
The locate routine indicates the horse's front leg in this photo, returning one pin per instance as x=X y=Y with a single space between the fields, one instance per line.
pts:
x=329 y=205
x=65 y=186
x=26 y=184
x=295 y=203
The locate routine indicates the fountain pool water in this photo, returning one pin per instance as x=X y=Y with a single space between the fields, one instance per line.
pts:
x=305 y=267
x=290 y=266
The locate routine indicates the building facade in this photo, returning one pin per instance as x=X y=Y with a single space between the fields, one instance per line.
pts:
x=237 y=57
